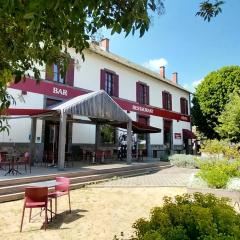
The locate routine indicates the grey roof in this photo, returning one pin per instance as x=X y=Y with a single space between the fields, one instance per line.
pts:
x=96 y=49
x=97 y=105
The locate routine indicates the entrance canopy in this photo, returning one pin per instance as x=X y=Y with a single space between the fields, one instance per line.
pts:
x=98 y=106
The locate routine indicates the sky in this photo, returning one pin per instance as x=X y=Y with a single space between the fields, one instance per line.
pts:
x=184 y=43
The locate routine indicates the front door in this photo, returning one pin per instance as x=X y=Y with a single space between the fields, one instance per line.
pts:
x=51 y=142
x=167 y=135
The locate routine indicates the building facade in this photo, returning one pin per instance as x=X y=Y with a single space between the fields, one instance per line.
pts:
x=147 y=97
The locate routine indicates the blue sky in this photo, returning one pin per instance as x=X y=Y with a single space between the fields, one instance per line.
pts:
x=184 y=42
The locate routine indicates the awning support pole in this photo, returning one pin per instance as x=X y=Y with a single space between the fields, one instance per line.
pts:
x=62 y=141
x=33 y=139
x=129 y=142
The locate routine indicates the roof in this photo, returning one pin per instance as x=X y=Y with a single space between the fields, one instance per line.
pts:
x=96 y=105
x=96 y=49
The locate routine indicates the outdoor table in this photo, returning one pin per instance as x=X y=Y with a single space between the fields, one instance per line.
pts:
x=12 y=158
x=49 y=184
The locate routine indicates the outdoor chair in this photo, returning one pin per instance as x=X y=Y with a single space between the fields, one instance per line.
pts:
x=3 y=161
x=61 y=189
x=25 y=161
x=99 y=156
x=35 y=197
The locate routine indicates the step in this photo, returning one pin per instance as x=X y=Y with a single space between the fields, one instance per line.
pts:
x=32 y=179
x=16 y=192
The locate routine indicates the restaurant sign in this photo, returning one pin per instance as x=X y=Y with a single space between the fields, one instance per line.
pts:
x=142 y=109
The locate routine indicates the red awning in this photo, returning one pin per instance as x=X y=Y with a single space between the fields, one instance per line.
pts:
x=188 y=134
x=25 y=111
x=138 y=127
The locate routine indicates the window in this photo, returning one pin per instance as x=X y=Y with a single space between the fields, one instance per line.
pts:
x=57 y=77
x=109 y=82
x=53 y=74
x=109 y=86
x=184 y=105
x=142 y=90
x=167 y=100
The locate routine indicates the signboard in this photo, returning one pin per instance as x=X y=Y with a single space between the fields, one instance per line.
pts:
x=177 y=135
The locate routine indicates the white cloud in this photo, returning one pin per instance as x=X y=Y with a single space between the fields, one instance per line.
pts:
x=155 y=64
x=195 y=83
x=191 y=87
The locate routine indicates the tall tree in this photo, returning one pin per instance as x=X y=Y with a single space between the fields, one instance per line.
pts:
x=211 y=96
x=229 y=120
x=34 y=32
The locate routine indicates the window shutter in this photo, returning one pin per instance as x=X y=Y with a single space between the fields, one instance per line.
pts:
x=102 y=79
x=138 y=91
x=182 y=105
x=70 y=73
x=186 y=106
x=164 y=100
x=170 y=101
x=147 y=95
x=49 y=72
x=115 y=85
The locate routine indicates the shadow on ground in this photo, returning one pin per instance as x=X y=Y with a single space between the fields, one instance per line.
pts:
x=65 y=218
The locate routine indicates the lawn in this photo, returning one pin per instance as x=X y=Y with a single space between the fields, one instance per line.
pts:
x=97 y=214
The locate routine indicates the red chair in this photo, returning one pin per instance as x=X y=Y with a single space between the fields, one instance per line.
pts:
x=63 y=188
x=25 y=161
x=35 y=197
x=3 y=161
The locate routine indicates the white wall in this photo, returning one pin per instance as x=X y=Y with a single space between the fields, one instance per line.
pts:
x=20 y=129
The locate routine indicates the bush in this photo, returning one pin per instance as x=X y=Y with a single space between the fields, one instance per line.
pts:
x=183 y=160
x=220 y=148
x=217 y=172
x=188 y=217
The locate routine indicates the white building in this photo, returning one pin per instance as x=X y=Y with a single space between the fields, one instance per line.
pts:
x=146 y=96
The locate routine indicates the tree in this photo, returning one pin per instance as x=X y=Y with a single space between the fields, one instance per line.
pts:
x=38 y=31
x=229 y=120
x=211 y=96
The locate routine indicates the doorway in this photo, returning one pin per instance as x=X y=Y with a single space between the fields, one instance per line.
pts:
x=167 y=135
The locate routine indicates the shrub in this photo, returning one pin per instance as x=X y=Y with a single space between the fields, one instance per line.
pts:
x=220 y=148
x=183 y=160
x=187 y=217
x=217 y=172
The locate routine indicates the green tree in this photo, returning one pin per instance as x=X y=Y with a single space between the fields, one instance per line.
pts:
x=229 y=120
x=211 y=96
x=35 y=32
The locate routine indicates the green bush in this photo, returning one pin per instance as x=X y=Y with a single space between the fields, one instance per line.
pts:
x=220 y=148
x=183 y=160
x=217 y=172
x=189 y=217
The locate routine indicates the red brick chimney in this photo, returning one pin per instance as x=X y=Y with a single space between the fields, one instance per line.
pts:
x=175 y=77
x=104 y=43
x=162 y=71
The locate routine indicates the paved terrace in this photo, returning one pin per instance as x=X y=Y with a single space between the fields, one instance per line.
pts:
x=169 y=177
x=77 y=167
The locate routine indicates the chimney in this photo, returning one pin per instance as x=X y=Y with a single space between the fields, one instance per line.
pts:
x=104 y=43
x=175 y=77
x=162 y=71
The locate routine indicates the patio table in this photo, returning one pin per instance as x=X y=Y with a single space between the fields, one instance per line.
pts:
x=12 y=158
